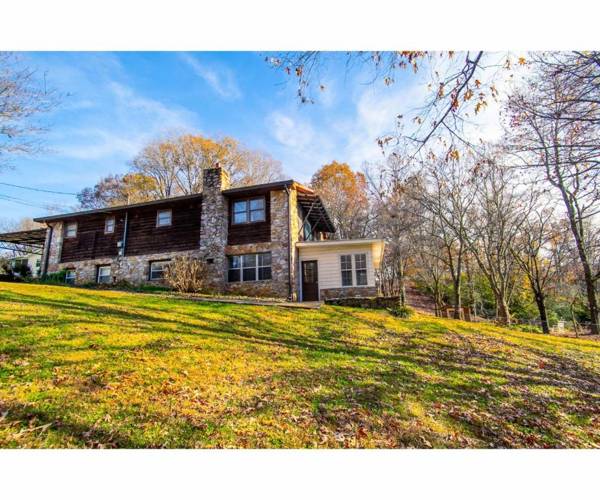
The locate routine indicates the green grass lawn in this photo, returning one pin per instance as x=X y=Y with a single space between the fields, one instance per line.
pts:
x=85 y=368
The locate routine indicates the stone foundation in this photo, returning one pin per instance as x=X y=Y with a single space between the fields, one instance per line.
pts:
x=133 y=269
x=351 y=291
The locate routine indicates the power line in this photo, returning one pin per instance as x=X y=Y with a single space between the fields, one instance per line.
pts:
x=37 y=189
x=21 y=201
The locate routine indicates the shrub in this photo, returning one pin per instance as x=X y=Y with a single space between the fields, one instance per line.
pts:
x=186 y=274
x=54 y=278
x=401 y=311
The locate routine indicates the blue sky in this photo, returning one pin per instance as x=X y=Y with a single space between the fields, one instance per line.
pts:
x=116 y=102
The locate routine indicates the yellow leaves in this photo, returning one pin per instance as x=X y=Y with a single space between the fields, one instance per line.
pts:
x=522 y=61
x=454 y=155
x=479 y=106
x=468 y=95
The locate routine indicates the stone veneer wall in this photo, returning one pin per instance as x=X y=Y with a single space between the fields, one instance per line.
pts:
x=278 y=285
x=133 y=269
x=351 y=291
x=213 y=226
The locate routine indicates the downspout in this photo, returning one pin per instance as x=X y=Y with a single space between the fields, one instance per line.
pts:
x=125 y=234
x=47 y=250
x=289 y=213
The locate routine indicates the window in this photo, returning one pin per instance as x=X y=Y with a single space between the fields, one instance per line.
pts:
x=163 y=218
x=103 y=274
x=245 y=211
x=360 y=268
x=71 y=230
x=308 y=232
x=346 y=261
x=157 y=270
x=109 y=225
x=249 y=267
x=70 y=276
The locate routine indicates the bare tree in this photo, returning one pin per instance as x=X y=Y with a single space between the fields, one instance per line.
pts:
x=23 y=99
x=555 y=135
x=447 y=199
x=501 y=209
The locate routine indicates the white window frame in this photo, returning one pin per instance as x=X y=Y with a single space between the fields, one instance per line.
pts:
x=68 y=227
x=248 y=211
x=68 y=280
x=108 y=220
x=257 y=267
x=164 y=262
x=350 y=269
x=159 y=212
x=98 y=274
x=365 y=269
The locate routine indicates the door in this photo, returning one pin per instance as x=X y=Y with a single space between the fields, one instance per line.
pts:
x=310 y=280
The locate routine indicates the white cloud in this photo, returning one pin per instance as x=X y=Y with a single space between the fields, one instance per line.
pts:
x=290 y=132
x=131 y=121
x=219 y=78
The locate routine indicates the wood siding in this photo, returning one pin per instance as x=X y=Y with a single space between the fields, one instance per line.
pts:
x=143 y=237
x=90 y=241
x=250 y=232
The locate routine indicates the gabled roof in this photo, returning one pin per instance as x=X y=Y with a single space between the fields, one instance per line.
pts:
x=118 y=208
x=307 y=198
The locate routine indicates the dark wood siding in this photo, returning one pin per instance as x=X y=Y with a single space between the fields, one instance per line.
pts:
x=91 y=242
x=251 y=232
x=143 y=237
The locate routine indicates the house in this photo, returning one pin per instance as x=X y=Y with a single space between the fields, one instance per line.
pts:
x=32 y=261
x=262 y=240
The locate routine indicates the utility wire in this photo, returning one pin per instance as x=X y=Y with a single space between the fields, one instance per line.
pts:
x=37 y=189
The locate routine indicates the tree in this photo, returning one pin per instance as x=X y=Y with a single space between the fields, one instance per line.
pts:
x=116 y=190
x=345 y=194
x=23 y=99
x=540 y=251
x=174 y=166
x=461 y=84
x=554 y=135
x=447 y=199
x=499 y=211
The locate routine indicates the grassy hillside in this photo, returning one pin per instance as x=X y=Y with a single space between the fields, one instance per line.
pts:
x=83 y=368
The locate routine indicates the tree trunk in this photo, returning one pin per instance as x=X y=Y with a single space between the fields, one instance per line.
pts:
x=540 y=300
x=503 y=312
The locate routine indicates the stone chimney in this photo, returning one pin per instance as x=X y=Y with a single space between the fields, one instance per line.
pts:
x=213 y=224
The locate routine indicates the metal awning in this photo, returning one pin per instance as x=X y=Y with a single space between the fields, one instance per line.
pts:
x=31 y=241
x=315 y=212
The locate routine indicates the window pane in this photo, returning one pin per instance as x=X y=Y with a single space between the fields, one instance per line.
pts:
x=346 y=278
x=346 y=262
x=264 y=273
x=104 y=274
x=109 y=225
x=257 y=204
x=234 y=275
x=164 y=218
x=360 y=261
x=240 y=218
x=70 y=276
x=249 y=260
x=71 y=229
x=361 y=277
x=264 y=259
x=257 y=215
x=234 y=262
x=250 y=274
x=239 y=206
